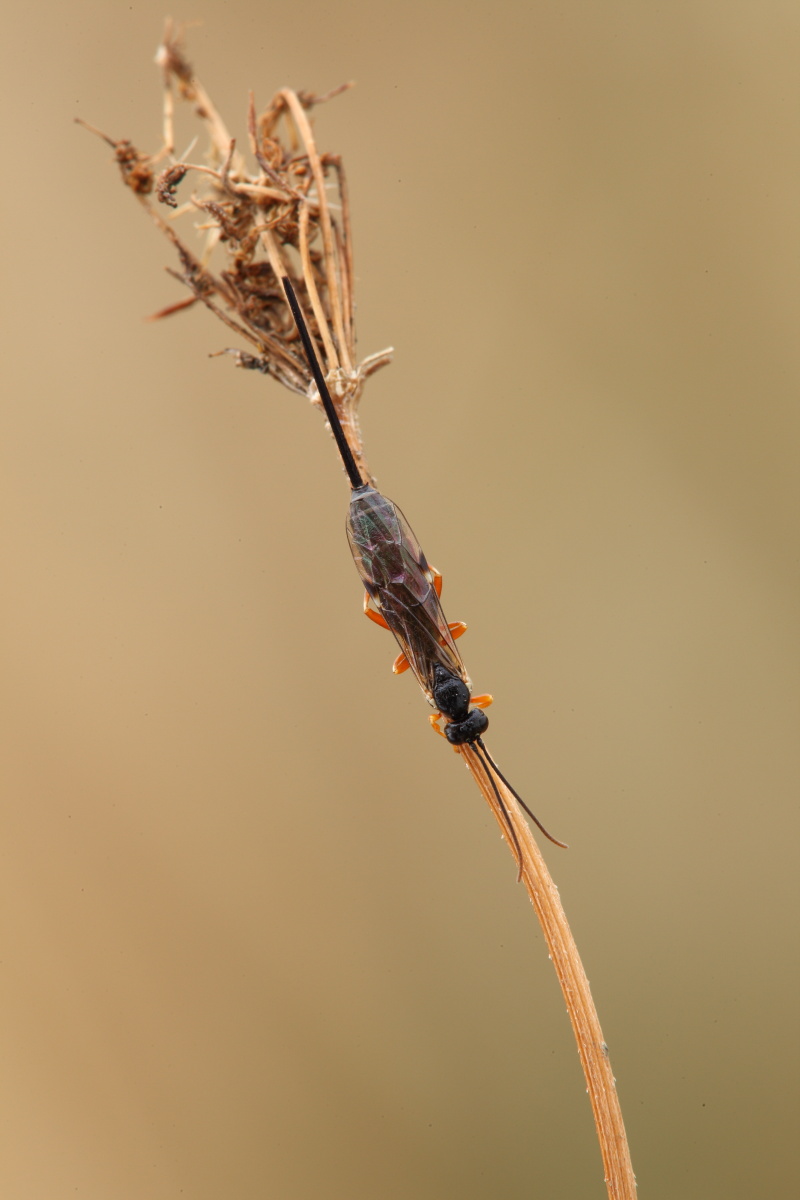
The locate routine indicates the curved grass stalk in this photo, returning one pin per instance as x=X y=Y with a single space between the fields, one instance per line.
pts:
x=592 y=1049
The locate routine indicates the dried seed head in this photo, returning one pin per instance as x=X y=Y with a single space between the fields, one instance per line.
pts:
x=286 y=215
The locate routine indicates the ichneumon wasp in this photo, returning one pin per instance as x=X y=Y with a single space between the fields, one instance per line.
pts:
x=402 y=595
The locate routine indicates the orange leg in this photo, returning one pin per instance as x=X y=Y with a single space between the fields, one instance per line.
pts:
x=434 y=720
x=372 y=614
x=482 y=701
x=401 y=663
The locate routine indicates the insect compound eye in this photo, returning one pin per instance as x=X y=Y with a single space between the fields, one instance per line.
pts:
x=450 y=694
x=461 y=733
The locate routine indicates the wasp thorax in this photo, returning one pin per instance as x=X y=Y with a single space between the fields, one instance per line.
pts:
x=450 y=694
x=463 y=733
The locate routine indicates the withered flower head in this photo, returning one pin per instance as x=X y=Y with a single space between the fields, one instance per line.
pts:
x=287 y=215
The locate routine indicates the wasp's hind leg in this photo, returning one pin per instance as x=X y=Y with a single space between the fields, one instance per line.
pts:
x=434 y=719
x=373 y=613
x=401 y=663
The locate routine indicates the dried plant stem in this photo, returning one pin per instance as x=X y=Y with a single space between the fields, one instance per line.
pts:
x=619 y=1177
x=278 y=221
x=304 y=126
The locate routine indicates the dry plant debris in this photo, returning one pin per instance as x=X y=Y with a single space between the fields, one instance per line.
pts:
x=288 y=214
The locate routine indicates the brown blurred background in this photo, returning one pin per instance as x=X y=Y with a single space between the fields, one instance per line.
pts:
x=260 y=935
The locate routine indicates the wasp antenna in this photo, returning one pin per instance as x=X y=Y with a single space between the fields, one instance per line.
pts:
x=517 y=797
x=506 y=815
x=327 y=401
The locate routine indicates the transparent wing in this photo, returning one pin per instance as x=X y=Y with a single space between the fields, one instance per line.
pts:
x=397 y=577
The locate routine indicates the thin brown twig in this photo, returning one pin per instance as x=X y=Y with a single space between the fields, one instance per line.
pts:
x=330 y=356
